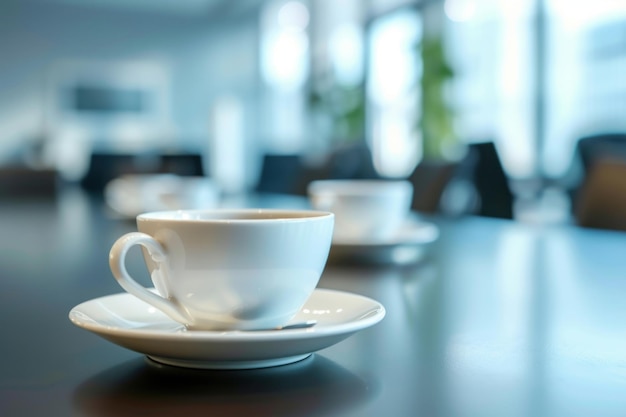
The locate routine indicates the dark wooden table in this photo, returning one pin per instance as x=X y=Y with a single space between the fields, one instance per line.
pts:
x=500 y=319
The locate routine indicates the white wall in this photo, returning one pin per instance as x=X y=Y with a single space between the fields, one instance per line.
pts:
x=198 y=59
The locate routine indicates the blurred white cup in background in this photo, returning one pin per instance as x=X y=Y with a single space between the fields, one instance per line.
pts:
x=365 y=210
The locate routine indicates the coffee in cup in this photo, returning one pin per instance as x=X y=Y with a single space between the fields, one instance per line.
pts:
x=228 y=269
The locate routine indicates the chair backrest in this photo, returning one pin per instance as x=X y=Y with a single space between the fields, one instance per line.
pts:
x=591 y=150
x=184 y=164
x=291 y=173
x=104 y=167
x=280 y=173
x=490 y=181
x=430 y=180
x=600 y=146
x=601 y=202
x=351 y=161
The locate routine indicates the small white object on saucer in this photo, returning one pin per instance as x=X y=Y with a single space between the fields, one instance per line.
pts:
x=133 y=324
x=408 y=244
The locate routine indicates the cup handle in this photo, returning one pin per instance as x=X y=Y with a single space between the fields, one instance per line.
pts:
x=117 y=258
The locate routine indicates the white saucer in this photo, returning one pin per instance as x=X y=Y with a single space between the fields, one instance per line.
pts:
x=408 y=244
x=133 y=324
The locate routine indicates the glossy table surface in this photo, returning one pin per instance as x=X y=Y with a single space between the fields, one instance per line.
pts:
x=499 y=319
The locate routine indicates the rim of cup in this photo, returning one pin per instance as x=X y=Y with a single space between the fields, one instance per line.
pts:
x=239 y=216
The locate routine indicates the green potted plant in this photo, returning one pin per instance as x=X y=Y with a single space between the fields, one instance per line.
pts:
x=436 y=119
x=345 y=106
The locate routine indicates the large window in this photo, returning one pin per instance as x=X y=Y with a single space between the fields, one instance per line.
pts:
x=535 y=76
x=285 y=71
x=393 y=70
x=586 y=73
x=490 y=45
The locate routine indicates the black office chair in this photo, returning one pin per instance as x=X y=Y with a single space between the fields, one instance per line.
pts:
x=183 y=164
x=483 y=169
x=104 y=166
x=281 y=174
x=350 y=161
x=430 y=180
x=291 y=173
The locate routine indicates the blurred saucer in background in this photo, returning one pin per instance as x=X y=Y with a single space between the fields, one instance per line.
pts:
x=410 y=244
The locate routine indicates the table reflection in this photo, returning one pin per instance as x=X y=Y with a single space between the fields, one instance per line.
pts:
x=316 y=384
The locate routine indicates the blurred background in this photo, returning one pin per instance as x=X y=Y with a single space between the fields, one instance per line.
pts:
x=503 y=109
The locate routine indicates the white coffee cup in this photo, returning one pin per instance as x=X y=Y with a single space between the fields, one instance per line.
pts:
x=365 y=210
x=133 y=194
x=228 y=269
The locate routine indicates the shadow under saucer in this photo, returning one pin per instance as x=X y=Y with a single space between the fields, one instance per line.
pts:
x=143 y=387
